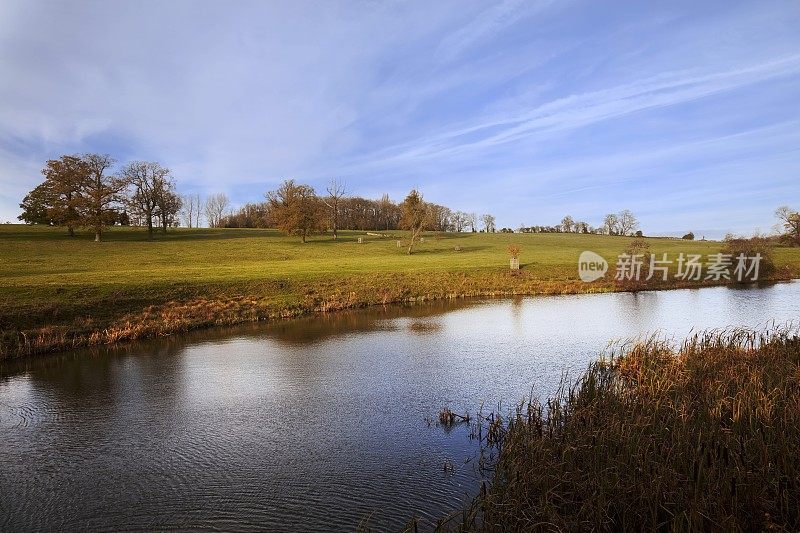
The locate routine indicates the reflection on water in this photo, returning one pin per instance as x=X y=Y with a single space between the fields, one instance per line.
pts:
x=311 y=423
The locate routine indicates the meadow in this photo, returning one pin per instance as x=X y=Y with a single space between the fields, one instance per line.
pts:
x=59 y=292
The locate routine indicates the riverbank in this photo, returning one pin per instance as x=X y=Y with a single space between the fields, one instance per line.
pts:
x=60 y=293
x=698 y=437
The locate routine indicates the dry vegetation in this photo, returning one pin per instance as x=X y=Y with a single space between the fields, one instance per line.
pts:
x=700 y=437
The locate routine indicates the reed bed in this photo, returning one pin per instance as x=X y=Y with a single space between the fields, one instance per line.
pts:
x=703 y=435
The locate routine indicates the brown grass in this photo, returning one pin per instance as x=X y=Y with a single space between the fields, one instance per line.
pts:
x=703 y=436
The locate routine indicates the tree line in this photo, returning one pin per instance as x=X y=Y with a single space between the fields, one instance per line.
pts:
x=622 y=223
x=84 y=191
x=335 y=210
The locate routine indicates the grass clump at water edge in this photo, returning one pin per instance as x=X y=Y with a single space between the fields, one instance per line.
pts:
x=700 y=436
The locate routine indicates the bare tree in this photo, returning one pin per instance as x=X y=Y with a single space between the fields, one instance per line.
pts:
x=567 y=224
x=459 y=221
x=168 y=203
x=190 y=210
x=610 y=224
x=472 y=222
x=488 y=223
x=146 y=181
x=215 y=207
x=416 y=216
x=385 y=208
x=101 y=191
x=336 y=190
x=626 y=222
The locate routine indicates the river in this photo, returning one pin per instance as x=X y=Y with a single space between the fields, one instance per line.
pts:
x=308 y=424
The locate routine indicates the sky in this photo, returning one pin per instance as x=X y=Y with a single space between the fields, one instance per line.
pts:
x=686 y=113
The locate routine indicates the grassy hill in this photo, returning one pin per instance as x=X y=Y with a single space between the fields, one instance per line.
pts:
x=62 y=291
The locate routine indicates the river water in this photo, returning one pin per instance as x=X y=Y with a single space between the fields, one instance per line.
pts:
x=309 y=424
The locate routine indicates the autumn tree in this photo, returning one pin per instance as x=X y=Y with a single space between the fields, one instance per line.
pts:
x=789 y=222
x=295 y=209
x=336 y=191
x=416 y=216
x=215 y=208
x=100 y=191
x=58 y=200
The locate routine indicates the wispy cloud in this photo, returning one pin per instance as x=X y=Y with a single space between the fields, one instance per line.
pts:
x=524 y=109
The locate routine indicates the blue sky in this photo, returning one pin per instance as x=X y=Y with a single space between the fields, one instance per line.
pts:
x=687 y=113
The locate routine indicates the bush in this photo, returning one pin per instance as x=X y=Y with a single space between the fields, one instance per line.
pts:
x=688 y=237
x=750 y=247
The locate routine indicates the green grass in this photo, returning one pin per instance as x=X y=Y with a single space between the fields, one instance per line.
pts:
x=48 y=279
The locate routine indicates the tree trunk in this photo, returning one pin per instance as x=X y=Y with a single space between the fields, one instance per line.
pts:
x=97 y=232
x=149 y=227
x=71 y=231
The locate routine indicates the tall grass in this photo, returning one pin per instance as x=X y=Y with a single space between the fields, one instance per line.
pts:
x=700 y=436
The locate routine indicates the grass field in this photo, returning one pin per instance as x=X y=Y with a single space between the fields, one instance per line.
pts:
x=59 y=291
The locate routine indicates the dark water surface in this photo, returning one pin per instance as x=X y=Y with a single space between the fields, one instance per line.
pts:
x=309 y=424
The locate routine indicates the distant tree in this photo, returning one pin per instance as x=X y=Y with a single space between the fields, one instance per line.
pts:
x=488 y=223
x=790 y=220
x=295 y=208
x=688 y=237
x=459 y=221
x=440 y=217
x=336 y=191
x=168 y=204
x=472 y=222
x=215 y=208
x=190 y=210
x=626 y=222
x=567 y=223
x=581 y=227
x=610 y=224
x=416 y=216
x=100 y=193
x=145 y=181
x=386 y=212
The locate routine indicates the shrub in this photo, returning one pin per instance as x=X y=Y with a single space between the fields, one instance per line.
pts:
x=688 y=237
x=749 y=247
